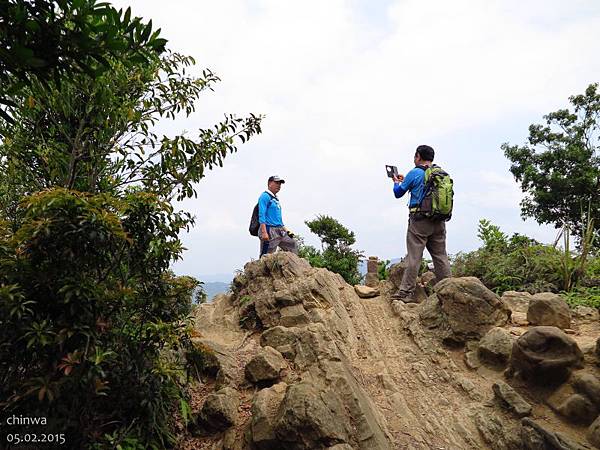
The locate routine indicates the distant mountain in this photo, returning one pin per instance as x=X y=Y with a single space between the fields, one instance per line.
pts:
x=213 y=288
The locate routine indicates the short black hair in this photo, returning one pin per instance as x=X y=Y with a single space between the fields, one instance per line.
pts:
x=426 y=152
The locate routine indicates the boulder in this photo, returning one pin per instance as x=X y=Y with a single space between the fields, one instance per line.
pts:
x=588 y=385
x=578 y=409
x=264 y=415
x=586 y=313
x=598 y=349
x=396 y=272
x=265 y=366
x=428 y=280
x=283 y=280
x=543 y=355
x=463 y=309
x=341 y=447
x=593 y=433
x=495 y=347
x=278 y=336
x=550 y=310
x=419 y=294
x=311 y=418
x=366 y=291
x=517 y=301
x=293 y=316
x=472 y=360
x=511 y=399
x=220 y=410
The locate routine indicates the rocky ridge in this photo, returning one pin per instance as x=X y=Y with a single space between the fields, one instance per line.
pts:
x=303 y=362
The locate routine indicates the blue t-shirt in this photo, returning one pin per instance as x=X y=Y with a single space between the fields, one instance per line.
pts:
x=414 y=181
x=269 y=210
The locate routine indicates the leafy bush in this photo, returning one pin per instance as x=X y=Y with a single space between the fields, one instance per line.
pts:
x=383 y=269
x=585 y=296
x=519 y=263
x=93 y=326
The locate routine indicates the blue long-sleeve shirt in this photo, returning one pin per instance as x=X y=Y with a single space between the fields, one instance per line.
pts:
x=269 y=210
x=414 y=181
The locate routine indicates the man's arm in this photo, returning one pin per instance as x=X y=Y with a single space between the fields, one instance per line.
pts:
x=400 y=187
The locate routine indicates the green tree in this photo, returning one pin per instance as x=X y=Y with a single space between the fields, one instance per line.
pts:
x=336 y=253
x=94 y=134
x=47 y=39
x=559 y=167
x=94 y=327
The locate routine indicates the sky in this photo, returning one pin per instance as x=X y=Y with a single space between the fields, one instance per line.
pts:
x=348 y=86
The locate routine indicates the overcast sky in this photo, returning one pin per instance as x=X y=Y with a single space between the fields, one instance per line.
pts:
x=348 y=86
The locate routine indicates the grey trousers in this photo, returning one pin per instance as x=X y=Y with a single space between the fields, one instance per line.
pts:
x=278 y=238
x=424 y=233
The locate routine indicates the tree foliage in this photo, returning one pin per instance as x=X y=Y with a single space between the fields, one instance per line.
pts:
x=87 y=310
x=336 y=253
x=559 y=167
x=51 y=39
x=94 y=327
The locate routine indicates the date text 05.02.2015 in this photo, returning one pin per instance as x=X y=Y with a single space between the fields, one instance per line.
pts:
x=39 y=438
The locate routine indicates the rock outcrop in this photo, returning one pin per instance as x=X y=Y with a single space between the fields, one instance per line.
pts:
x=550 y=310
x=265 y=366
x=495 y=347
x=545 y=355
x=303 y=362
x=220 y=410
x=463 y=309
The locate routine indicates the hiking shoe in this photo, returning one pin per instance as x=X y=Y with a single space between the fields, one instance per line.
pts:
x=397 y=296
x=403 y=298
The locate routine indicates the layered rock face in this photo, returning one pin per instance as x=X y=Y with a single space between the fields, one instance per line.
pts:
x=301 y=314
x=304 y=362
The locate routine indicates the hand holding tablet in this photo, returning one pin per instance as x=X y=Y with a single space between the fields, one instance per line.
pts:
x=392 y=172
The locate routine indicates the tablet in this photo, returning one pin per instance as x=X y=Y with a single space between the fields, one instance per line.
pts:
x=392 y=171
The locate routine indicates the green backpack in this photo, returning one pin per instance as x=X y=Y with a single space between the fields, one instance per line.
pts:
x=439 y=194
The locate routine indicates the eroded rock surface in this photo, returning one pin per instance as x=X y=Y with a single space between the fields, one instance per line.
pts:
x=265 y=366
x=495 y=347
x=363 y=374
x=463 y=309
x=549 y=309
x=545 y=355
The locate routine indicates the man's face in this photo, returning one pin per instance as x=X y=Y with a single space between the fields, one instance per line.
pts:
x=274 y=186
x=417 y=158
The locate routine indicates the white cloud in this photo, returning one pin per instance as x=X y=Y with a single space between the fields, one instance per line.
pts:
x=345 y=95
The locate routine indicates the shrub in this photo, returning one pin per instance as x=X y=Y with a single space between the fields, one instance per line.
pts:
x=92 y=324
x=589 y=296
x=383 y=269
x=516 y=263
x=336 y=254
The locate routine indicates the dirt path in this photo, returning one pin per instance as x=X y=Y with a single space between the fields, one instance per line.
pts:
x=426 y=399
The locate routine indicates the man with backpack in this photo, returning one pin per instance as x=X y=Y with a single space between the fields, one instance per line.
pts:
x=266 y=221
x=430 y=206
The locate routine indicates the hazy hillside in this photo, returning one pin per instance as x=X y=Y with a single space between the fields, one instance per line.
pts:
x=213 y=288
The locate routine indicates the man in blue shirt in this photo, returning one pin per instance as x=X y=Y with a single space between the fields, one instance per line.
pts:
x=272 y=232
x=422 y=232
